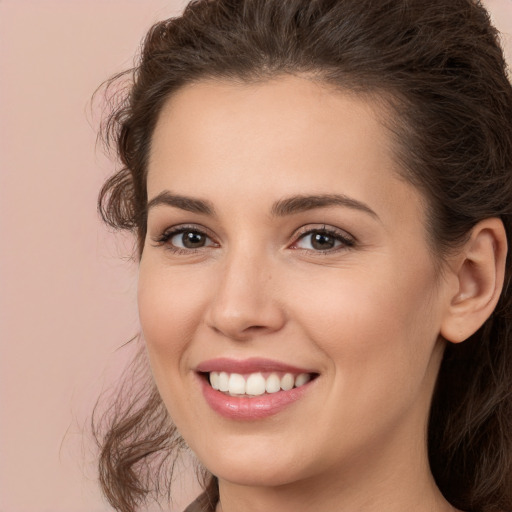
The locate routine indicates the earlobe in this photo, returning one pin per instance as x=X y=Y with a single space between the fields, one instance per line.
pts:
x=479 y=269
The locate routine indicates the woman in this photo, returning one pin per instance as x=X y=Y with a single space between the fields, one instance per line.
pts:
x=321 y=193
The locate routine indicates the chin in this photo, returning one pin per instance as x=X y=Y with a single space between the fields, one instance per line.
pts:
x=247 y=474
x=256 y=463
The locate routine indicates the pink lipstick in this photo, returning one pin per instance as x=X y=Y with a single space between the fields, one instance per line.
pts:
x=253 y=388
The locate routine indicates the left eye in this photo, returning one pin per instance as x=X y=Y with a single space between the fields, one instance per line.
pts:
x=322 y=241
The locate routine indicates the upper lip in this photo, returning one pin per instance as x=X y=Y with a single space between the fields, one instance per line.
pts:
x=251 y=365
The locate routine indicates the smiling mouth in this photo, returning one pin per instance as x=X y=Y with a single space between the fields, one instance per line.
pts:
x=256 y=384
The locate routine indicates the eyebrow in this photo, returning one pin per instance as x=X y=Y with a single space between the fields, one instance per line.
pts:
x=188 y=204
x=301 y=203
x=283 y=207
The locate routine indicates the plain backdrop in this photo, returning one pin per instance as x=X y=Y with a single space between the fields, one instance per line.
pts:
x=67 y=285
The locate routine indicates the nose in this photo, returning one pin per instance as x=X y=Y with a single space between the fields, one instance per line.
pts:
x=245 y=302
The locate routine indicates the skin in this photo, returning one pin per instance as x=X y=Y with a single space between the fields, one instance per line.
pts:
x=367 y=317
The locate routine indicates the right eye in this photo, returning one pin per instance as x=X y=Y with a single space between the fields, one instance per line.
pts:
x=185 y=240
x=189 y=239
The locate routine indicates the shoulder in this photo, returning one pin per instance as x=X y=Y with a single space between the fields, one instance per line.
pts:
x=195 y=506
x=201 y=504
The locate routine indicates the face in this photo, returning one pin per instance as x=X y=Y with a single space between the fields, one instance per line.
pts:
x=287 y=263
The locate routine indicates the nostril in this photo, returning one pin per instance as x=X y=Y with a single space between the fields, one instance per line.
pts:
x=242 y=333
x=256 y=328
x=239 y=313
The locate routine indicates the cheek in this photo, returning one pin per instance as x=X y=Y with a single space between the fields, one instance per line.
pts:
x=170 y=310
x=378 y=328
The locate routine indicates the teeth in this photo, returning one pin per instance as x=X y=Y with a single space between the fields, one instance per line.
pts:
x=214 y=380
x=236 y=384
x=287 y=382
x=223 y=381
x=256 y=384
x=301 y=379
x=273 y=384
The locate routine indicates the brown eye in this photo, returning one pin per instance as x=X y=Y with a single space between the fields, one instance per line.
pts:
x=185 y=240
x=192 y=239
x=324 y=240
x=189 y=239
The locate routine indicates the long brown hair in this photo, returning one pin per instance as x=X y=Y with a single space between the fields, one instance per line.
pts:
x=439 y=67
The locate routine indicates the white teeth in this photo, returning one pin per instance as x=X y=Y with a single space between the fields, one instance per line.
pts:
x=301 y=379
x=287 y=382
x=223 y=381
x=256 y=384
x=273 y=383
x=236 y=384
x=214 y=380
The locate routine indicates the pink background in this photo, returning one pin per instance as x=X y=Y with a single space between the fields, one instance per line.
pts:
x=67 y=287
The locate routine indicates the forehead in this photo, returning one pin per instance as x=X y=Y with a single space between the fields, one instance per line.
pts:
x=280 y=114
x=286 y=136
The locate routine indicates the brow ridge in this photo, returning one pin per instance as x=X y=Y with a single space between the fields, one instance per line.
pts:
x=182 y=202
x=283 y=207
x=301 y=203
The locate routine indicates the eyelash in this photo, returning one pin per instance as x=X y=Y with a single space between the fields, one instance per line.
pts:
x=347 y=241
x=163 y=239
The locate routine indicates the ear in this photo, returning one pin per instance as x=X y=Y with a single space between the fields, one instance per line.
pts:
x=479 y=271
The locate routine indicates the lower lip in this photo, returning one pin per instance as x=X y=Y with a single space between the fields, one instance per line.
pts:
x=258 y=407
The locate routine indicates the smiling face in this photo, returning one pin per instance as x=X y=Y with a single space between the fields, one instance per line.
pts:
x=282 y=241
